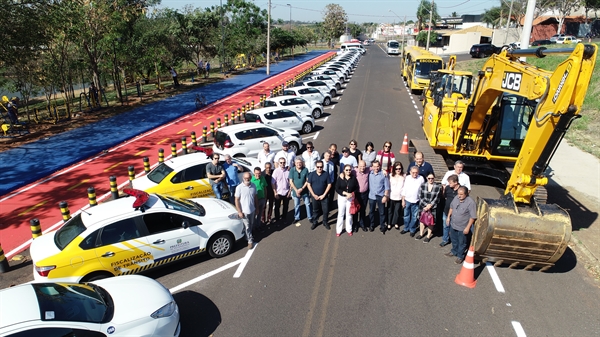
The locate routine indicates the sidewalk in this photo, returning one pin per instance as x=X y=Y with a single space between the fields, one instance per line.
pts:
x=575 y=185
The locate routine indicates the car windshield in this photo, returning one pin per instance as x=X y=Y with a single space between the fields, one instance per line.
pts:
x=394 y=45
x=73 y=302
x=159 y=173
x=69 y=231
x=182 y=205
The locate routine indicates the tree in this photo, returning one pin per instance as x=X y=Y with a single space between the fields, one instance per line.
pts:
x=355 y=29
x=423 y=14
x=454 y=15
x=422 y=38
x=492 y=17
x=334 y=21
x=563 y=8
x=590 y=5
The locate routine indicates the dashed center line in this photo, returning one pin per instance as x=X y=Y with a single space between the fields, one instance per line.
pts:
x=518 y=329
x=494 y=276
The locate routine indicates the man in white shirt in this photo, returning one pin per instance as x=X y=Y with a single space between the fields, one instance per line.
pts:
x=410 y=200
x=310 y=157
x=266 y=156
x=286 y=153
x=463 y=178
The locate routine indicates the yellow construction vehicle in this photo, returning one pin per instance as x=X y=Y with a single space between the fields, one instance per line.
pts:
x=508 y=129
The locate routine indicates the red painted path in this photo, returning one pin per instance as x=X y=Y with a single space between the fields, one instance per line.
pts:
x=40 y=199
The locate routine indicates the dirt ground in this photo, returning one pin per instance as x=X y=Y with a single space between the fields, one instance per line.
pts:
x=79 y=118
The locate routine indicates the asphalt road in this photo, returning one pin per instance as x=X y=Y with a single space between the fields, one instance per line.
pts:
x=298 y=282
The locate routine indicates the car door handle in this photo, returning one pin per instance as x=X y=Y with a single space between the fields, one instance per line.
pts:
x=189 y=188
x=241 y=144
x=285 y=120
x=108 y=254
x=262 y=141
x=158 y=242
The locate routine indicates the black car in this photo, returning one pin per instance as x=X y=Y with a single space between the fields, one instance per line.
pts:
x=483 y=50
x=541 y=42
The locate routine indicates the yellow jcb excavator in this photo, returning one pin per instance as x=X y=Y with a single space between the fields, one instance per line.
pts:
x=508 y=128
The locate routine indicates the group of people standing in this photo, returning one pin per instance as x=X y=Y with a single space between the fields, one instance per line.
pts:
x=406 y=200
x=203 y=68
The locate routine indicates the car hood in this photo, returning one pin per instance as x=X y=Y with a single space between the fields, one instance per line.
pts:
x=142 y=183
x=43 y=247
x=215 y=208
x=134 y=296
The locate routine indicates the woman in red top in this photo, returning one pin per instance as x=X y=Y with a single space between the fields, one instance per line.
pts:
x=386 y=157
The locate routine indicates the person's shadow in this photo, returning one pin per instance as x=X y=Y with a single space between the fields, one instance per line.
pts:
x=199 y=314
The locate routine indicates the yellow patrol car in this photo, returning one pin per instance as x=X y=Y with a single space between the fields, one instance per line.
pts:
x=185 y=176
x=133 y=234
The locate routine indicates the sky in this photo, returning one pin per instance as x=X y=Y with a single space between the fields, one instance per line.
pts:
x=358 y=11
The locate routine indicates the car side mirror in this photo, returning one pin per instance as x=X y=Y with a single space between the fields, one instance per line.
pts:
x=185 y=224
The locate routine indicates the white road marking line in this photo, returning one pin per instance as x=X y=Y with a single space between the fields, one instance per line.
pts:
x=316 y=135
x=244 y=260
x=325 y=120
x=416 y=107
x=205 y=276
x=338 y=98
x=518 y=329
x=309 y=137
x=495 y=278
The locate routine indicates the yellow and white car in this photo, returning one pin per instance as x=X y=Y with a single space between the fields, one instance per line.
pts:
x=130 y=235
x=185 y=176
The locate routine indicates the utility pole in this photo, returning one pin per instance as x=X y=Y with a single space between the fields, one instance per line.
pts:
x=528 y=24
x=222 y=40
x=430 y=19
x=508 y=21
x=269 y=39
x=291 y=28
x=403 y=33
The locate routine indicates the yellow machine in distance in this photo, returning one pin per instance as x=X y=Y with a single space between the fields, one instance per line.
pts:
x=513 y=121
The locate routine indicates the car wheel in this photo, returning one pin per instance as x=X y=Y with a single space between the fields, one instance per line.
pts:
x=327 y=101
x=338 y=86
x=481 y=55
x=95 y=276
x=332 y=93
x=316 y=113
x=294 y=147
x=307 y=127
x=220 y=245
x=239 y=155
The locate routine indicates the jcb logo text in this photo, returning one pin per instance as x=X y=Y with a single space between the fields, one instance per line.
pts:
x=512 y=81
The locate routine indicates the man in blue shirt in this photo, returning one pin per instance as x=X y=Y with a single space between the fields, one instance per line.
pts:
x=379 y=193
x=231 y=176
x=424 y=167
x=319 y=185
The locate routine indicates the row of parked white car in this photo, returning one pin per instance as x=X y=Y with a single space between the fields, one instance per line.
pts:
x=284 y=117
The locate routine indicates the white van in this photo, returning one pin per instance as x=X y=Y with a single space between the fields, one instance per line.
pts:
x=351 y=46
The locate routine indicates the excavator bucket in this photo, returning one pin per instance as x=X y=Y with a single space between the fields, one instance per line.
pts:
x=532 y=237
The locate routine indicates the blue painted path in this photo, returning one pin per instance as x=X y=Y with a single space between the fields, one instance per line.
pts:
x=41 y=158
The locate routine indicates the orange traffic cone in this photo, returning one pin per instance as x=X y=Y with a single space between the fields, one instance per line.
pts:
x=466 y=277
x=404 y=149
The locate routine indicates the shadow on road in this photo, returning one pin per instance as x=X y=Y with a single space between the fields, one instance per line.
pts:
x=203 y=320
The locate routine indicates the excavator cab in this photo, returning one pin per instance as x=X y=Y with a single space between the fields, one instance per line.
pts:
x=515 y=116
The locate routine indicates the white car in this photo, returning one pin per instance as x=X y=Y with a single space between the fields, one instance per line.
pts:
x=134 y=234
x=282 y=118
x=309 y=94
x=185 y=176
x=246 y=139
x=567 y=40
x=325 y=78
x=322 y=86
x=125 y=306
x=329 y=72
x=297 y=104
x=556 y=37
